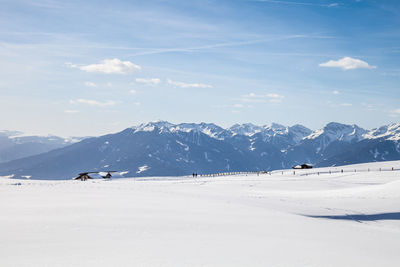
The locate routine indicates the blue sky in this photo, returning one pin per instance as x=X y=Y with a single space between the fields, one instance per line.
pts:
x=94 y=67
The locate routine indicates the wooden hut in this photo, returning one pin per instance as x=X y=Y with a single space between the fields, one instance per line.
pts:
x=303 y=166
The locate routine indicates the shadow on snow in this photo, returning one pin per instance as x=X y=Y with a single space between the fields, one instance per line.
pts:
x=360 y=217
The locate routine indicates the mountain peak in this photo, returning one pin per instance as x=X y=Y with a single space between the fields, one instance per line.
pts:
x=388 y=132
x=338 y=131
x=247 y=129
x=274 y=126
x=151 y=126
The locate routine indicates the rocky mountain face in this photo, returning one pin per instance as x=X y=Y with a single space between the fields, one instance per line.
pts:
x=162 y=148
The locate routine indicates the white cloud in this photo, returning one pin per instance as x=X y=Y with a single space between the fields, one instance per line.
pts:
x=70 y=111
x=347 y=63
x=109 y=84
x=275 y=98
x=335 y=92
x=253 y=95
x=132 y=92
x=370 y=107
x=137 y=103
x=338 y=105
x=394 y=113
x=298 y=3
x=254 y=98
x=93 y=102
x=333 y=5
x=263 y=98
x=238 y=106
x=188 y=85
x=90 y=84
x=152 y=81
x=71 y=65
x=346 y=104
x=109 y=66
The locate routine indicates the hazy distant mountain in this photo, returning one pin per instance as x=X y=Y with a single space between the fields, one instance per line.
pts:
x=15 y=145
x=162 y=148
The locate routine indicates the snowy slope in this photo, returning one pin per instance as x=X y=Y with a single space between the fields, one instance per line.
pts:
x=349 y=219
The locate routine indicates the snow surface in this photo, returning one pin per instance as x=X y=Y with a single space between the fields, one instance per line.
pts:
x=143 y=168
x=339 y=219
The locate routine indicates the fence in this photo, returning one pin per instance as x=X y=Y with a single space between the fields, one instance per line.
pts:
x=300 y=172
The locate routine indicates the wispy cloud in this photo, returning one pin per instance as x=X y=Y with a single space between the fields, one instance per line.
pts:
x=47 y=4
x=231 y=44
x=152 y=81
x=90 y=84
x=108 y=66
x=93 y=102
x=71 y=111
x=188 y=85
x=253 y=98
x=132 y=92
x=347 y=63
x=345 y=104
x=238 y=106
x=394 y=113
x=275 y=98
x=298 y=3
x=263 y=98
x=335 y=92
x=338 y=105
x=370 y=107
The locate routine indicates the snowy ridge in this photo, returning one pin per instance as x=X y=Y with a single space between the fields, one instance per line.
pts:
x=388 y=132
x=331 y=132
x=179 y=149
x=209 y=129
x=247 y=129
x=337 y=131
x=350 y=133
x=297 y=132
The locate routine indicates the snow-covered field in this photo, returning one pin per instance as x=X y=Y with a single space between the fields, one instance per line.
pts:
x=340 y=219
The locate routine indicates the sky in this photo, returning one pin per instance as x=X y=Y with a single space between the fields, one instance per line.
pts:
x=86 y=68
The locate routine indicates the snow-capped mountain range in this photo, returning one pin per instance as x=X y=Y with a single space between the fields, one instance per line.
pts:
x=163 y=148
x=15 y=144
